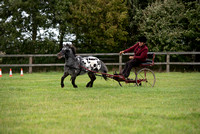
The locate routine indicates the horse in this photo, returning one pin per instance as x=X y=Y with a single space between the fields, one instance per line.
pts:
x=77 y=65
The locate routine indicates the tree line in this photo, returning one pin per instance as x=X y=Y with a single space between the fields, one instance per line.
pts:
x=98 y=25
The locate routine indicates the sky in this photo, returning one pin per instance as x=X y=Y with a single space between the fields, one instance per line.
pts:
x=45 y=33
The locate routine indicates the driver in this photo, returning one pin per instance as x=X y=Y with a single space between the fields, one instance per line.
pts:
x=140 y=54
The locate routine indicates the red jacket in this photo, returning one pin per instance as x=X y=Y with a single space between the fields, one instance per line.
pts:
x=140 y=52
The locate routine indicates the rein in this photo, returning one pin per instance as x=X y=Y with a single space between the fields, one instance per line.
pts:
x=115 y=77
x=108 y=75
x=118 y=78
x=72 y=67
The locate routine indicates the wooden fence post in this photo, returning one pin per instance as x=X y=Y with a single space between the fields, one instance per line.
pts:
x=168 y=65
x=30 y=63
x=120 y=62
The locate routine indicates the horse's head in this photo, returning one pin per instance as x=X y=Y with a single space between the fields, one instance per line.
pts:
x=67 y=51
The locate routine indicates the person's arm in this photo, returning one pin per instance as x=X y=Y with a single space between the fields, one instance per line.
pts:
x=131 y=48
x=143 y=55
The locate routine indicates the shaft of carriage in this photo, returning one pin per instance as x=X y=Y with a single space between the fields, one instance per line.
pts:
x=117 y=77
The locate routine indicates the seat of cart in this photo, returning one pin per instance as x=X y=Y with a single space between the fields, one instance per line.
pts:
x=149 y=61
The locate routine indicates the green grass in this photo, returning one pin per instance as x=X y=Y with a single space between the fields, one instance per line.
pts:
x=35 y=103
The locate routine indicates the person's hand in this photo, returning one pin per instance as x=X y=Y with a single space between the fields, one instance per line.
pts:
x=121 y=52
x=131 y=57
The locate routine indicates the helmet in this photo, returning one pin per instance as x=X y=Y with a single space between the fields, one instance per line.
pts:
x=143 y=39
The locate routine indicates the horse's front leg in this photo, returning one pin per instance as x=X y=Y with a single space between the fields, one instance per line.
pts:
x=73 y=78
x=62 y=79
x=92 y=79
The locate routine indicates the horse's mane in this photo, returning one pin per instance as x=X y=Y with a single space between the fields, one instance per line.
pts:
x=73 y=49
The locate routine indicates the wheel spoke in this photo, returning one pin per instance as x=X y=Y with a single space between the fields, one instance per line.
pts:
x=150 y=84
x=141 y=75
x=146 y=76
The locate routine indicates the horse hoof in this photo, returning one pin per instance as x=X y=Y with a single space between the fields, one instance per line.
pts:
x=89 y=85
x=75 y=86
x=62 y=85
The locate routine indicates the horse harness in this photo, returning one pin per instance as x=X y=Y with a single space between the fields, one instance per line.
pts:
x=80 y=67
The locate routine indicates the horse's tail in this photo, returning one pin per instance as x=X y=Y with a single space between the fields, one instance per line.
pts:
x=104 y=69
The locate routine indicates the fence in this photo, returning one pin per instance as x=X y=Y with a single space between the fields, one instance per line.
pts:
x=120 y=63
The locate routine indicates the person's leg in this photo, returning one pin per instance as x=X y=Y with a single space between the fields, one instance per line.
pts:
x=125 y=67
x=129 y=65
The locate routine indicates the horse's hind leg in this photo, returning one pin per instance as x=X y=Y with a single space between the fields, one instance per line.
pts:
x=62 y=79
x=92 y=77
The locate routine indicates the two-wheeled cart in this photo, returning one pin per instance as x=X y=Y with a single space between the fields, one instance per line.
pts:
x=144 y=77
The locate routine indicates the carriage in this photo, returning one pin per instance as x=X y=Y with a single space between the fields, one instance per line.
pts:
x=77 y=65
x=144 y=77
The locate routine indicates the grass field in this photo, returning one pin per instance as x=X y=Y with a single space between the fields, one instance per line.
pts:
x=35 y=103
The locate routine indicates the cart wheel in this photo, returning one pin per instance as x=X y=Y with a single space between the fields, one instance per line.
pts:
x=146 y=78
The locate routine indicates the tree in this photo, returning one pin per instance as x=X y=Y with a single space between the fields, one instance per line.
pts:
x=191 y=26
x=23 y=19
x=99 y=25
x=60 y=16
x=9 y=31
x=170 y=25
x=133 y=7
x=19 y=17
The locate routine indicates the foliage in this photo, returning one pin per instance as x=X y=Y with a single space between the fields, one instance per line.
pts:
x=171 y=25
x=133 y=7
x=20 y=17
x=99 y=25
x=60 y=17
x=35 y=103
